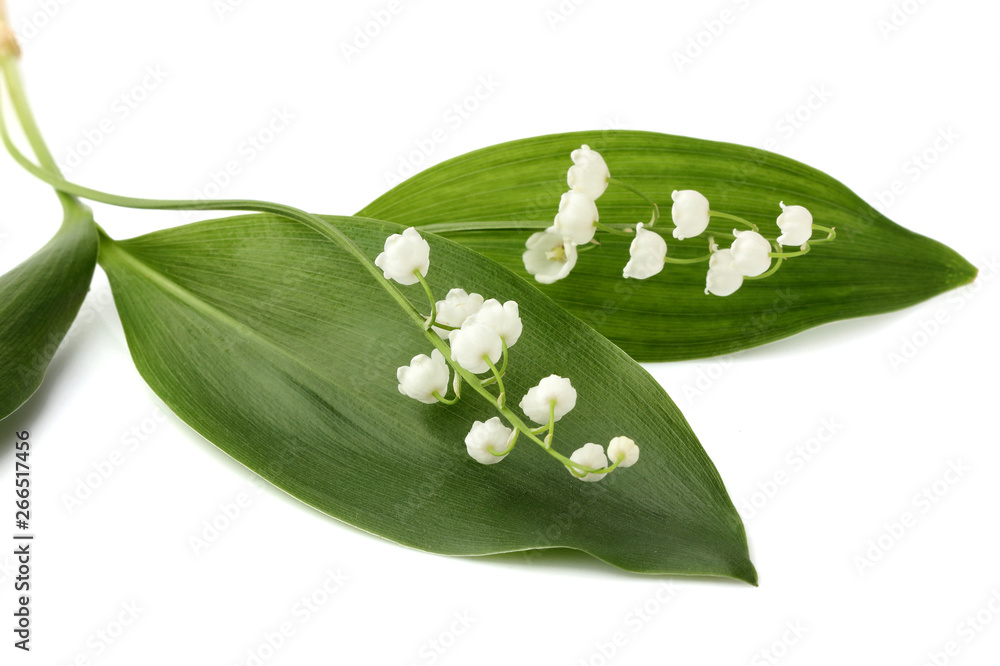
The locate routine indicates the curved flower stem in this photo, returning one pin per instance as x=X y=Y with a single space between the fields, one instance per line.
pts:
x=502 y=399
x=503 y=365
x=315 y=223
x=590 y=470
x=551 y=427
x=831 y=234
x=612 y=230
x=432 y=320
x=446 y=401
x=656 y=209
x=15 y=88
x=769 y=272
x=696 y=260
x=786 y=255
x=734 y=218
x=510 y=447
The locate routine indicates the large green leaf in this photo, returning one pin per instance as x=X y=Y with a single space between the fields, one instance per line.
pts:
x=278 y=346
x=489 y=199
x=38 y=301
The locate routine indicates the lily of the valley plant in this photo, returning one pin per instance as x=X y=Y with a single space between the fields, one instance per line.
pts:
x=481 y=333
x=552 y=254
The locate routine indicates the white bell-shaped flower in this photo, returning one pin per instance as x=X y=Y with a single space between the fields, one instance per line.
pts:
x=724 y=277
x=404 y=255
x=592 y=456
x=647 y=252
x=504 y=319
x=796 y=224
x=750 y=253
x=487 y=439
x=553 y=390
x=423 y=377
x=576 y=220
x=689 y=213
x=549 y=256
x=456 y=307
x=624 y=451
x=473 y=343
x=589 y=174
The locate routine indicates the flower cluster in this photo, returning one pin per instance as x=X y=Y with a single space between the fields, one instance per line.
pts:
x=479 y=334
x=552 y=254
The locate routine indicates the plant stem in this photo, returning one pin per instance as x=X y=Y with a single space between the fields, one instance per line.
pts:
x=734 y=218
x=49 y=173
x=430 y=297
x=15 y=88
x=656 y=209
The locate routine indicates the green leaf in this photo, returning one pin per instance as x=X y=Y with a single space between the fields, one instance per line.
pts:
x=281 y=348
x=492 y=199
x=38 y=301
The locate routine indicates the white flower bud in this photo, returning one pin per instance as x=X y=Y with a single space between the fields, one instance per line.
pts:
x=538 y=400
x=504 y=319
x=648 y=251
x=689 y=213
x=750 y=253
x=423 y=377
x=404 y=255
x=549 y=256
x=456 y=307
x=577 y=218
x=723 y=277
x=486 y=439
x=624 y=451
x=592 y=456
x=797 y=224
x=589 y=173
x=474 y=342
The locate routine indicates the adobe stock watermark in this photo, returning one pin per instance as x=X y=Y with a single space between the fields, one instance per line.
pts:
x=34 y=22
x=302 y=610
x=796 y=459
x=898 y=16
x=8 y=567
x=795 y=119
x=228 y=512
x=966 y=631
x=929 y=327
x=453 y=118
x=96 y=303
x=249 y=149
x=224 y=8
x=560 y=522
x=779 y=648
x=365 y=34
x=916 y=167
x=632 y=624
x=434 y=648
x=109 y=634
x=101 y=471
x=707 y=376
x=121 y=109
x=561 y=12
x=707 y=35
x=921 y=503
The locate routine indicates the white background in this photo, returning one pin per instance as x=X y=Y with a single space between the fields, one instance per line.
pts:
x=908 y=394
